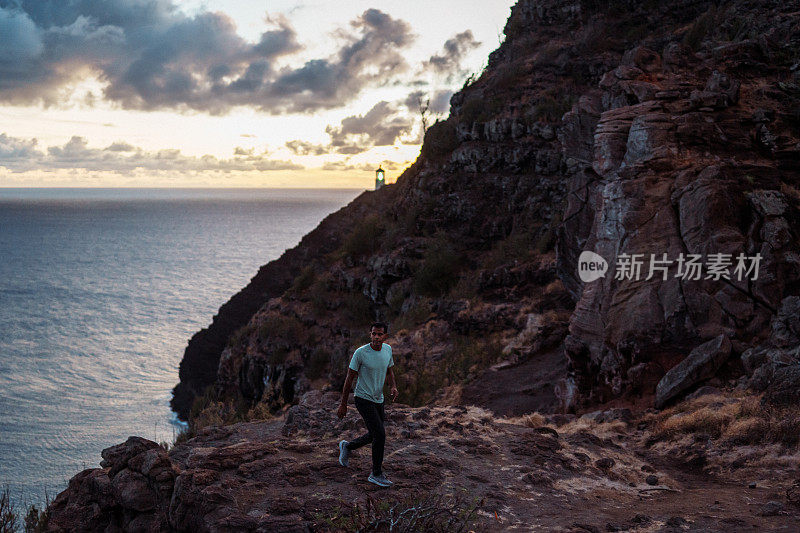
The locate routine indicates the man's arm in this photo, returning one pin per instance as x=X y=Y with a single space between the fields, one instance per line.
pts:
x=392 y=384
x=348 y=383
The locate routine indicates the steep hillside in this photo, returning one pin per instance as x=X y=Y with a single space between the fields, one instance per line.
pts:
x=620 y=128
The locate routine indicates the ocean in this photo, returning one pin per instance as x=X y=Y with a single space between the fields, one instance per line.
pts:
x=100 y=291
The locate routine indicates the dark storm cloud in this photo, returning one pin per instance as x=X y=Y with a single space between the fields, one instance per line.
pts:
x=370 y=55
x=153 y=56
x=22 y=155
x=380 y=126
x=448 y=62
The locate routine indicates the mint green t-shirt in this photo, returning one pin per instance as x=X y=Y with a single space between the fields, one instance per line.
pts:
x=371 y=366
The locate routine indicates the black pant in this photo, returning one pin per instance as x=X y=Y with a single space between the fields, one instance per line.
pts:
x=373 y=416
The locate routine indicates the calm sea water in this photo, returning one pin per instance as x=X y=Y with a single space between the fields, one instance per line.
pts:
x=100 y=291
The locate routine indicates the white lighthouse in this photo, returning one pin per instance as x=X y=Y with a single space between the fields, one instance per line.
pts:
x=380 y=178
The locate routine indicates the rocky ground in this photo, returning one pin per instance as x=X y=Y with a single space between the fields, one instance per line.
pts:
x=598 y=472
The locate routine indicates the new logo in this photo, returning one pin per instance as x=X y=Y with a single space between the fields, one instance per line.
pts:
x=591 y=266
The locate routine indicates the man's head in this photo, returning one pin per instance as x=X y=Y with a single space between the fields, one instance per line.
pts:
x=378 y=332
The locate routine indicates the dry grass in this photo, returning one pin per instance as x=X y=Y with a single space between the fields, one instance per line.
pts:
x=732 y=419
x=530 y=420
x=602 y=430
x=533 y=420
x=260 y=411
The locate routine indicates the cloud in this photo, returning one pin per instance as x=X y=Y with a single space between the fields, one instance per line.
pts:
x=121 y=147
x=366 y=167
x=371 y=54
x=343 y=165
x=306 y=148
x=438 y=102
x=22 y=155
x=448 y=63
x=14 y=150
x=152 y=56
x=380 y=126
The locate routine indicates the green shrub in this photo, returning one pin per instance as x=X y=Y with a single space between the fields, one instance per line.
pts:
x=468 y=352
x=414 y=316
x=547 y=238
x=515 y=27
x=438 y=271
x=317 y=363
x=365 y=237
x=357 y=307
x=318 y=295
x=550 y=107
x=241 y=336
x=8 y=515
x=440 y=140
x=518 y=246
x=304 y=280
x=479 y=109
x=418 y=387
x=612 y=7
x=509 y=77
x=702 y=25
x=286 y=328
x=471 y=110
x=36 y=520
x=466 y=288
x=594 y=37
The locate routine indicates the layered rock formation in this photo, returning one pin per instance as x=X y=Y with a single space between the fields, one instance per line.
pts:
x=663 y=132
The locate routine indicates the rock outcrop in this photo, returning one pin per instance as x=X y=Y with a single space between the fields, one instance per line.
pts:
x=701 y=364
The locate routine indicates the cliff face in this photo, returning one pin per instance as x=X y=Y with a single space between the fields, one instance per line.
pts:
x=623 y=128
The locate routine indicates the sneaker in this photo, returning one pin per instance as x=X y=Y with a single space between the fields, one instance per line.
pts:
x=344 y=453
x=379 y=480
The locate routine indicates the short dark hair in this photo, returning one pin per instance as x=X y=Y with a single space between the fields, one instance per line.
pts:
x=380 y=325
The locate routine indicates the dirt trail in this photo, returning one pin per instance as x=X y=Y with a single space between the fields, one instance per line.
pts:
x=573 y=478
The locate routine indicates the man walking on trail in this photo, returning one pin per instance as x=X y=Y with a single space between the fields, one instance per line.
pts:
x=371 y=366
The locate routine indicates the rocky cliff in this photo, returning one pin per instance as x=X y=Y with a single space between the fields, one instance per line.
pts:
x=659 y=131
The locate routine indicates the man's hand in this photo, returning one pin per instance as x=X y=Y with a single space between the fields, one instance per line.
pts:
x=342 y=410
x=393 y=392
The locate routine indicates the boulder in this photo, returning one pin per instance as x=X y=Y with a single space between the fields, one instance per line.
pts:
x=702 y=363
x=786 y=326
x=784 y=388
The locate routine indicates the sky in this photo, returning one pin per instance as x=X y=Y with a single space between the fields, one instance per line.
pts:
x=228 y=93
